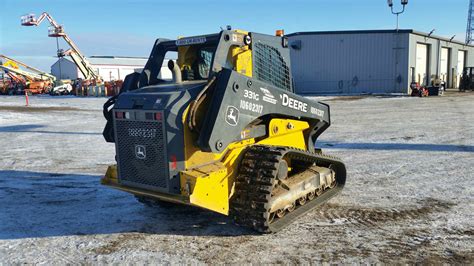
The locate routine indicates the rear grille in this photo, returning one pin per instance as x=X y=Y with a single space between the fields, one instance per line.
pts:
x=141 y=153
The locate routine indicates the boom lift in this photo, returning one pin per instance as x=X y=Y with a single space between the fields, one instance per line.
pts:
x=36 y=81
x=56 y=30
x=226 y=134
x=29 y=71
x=16 y=79
x=13 y=84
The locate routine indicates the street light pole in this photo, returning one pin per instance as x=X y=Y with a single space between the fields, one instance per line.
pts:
x=390 y=4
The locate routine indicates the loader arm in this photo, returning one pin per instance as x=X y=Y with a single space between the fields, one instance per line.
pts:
x=251 y=100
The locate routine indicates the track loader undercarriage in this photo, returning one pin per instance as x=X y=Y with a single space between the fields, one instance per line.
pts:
x=226 y=133
x=267 y=200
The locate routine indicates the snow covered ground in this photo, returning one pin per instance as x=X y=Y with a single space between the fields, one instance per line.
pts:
x=409 y=195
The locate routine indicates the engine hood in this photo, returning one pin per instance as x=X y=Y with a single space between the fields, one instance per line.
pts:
x=160 y=97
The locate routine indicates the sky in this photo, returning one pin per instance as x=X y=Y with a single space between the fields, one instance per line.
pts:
x=129 y=28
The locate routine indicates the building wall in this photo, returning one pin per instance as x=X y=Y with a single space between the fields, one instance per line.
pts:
x=111 y=72
x=68 y=69
x=108 y=71
x=435 y=46
x=114 y=72
x=350 y=63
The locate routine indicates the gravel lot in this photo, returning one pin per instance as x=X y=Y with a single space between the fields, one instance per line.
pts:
x=409 y=195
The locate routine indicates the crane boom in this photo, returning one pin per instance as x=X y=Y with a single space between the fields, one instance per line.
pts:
x=30 y=76
x=15 y=78
x=76 y=59
x=57 y=30
x=32 y=73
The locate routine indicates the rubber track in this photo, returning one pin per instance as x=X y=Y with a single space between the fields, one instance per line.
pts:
x=254 y=185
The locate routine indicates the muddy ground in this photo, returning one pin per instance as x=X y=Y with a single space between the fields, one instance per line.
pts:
x=409 y=196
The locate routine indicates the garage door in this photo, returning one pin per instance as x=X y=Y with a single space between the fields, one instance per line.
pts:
x=444 y=65
x=421 y=67
x=461 y=60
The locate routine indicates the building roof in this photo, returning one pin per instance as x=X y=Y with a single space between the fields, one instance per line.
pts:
x=376 y=31
x=112 y=60
x=137 y=62
x=118 y=60
x=346 y=32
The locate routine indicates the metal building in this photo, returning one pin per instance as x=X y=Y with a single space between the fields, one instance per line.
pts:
x=109 y=67
x=374 y=61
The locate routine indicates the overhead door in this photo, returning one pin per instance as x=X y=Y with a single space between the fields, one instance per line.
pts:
x=444 y=70
x=461 y=60
x=421 y=67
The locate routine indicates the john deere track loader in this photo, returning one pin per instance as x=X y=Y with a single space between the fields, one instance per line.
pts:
x=226 y=133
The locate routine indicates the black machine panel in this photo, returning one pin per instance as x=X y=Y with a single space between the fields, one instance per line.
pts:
x=141 y=150
x=239 y=100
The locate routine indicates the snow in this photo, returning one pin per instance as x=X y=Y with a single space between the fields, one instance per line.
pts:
x=409 y=195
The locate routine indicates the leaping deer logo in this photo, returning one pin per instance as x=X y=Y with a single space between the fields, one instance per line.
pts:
x=140 y=152
x=232 y=115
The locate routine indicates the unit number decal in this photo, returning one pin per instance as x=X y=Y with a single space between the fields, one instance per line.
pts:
x=316 y=111
x=253 y=107
x=142 y=132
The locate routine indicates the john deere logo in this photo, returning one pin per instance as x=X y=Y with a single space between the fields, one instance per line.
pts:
x=232 y=115
x=140 y=152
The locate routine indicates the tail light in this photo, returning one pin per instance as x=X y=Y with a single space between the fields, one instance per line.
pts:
x=173 y=162
x=154 y=116
x=158 y=116
x=122 y=115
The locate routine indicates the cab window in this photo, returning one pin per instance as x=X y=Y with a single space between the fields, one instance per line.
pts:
x=195 y=62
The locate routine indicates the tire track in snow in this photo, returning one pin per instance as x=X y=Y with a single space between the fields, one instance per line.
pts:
x=335 y=214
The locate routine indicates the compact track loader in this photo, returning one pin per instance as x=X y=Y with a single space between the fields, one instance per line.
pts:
x=226 y=133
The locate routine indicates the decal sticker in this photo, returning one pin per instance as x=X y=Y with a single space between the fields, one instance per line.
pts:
x=237 y=38
x=316 y=111
x=190 y=41
x=252 y=107
x=245 y=134
x=140 y=152
x=142 y=132
x=251 y=95
x=268 y=96
x=293 y=103
x=232 y=115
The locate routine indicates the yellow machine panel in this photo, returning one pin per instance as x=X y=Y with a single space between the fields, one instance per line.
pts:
x=242 y=58
x=287 y=131
x=207 y=187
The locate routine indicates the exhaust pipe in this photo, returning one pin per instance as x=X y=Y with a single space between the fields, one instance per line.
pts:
x=175 y=71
